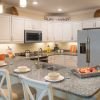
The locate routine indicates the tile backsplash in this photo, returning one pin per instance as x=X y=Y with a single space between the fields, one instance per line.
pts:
x=34 y=46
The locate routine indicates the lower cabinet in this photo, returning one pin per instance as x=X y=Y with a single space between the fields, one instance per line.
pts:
x=64 y=60
x=70 y=60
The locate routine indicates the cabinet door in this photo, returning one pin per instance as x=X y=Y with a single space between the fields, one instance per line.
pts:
x=28 y=24
x=44 y=29
x=51 y=59
x=70 y=61
x=36 y=25
x=57 y=31
x=75 y=27
x=97 y=23
x=50 y=31
x=88 y=24
x=18 y=29
x=67 y=31
x=59 y=59
x=5 y=28
x=56 y=59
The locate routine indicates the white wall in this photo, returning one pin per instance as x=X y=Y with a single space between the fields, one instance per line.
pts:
x=82 y=15
x=30 y=13
x=79 y=15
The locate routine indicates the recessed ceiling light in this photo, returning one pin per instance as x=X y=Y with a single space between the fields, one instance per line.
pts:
x=35 y=3
x=59 y=9
x=23 y=3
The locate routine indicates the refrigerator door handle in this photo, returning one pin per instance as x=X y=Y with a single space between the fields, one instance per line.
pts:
x=88 y=51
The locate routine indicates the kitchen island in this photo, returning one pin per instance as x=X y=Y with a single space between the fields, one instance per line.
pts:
x=71 y=87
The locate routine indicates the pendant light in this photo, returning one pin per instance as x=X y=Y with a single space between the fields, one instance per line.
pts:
x=23 y=3
x=1 y=7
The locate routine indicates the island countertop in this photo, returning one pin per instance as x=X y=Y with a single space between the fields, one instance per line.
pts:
x=81 y=87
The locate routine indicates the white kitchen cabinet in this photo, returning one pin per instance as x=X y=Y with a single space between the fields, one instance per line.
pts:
x=44 y=29
x=50 y=31
x=5 y=28
x=56 y=59
x=36 y=25
x=70 y=61
x=28 y=24
x=57 y=30
x=51 y=59
x=64 y=60
x=17 y=29
x=97 y=23
x=66 y=31
x=75 y=27
x=31 y=24
x=88 y=24
x=59 y=59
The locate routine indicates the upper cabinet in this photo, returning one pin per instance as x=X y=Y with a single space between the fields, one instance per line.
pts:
x=97 y=23
x=28 y=24
x=75 y=27
x=12 y=29
x=36 y=25
x=44 y=28
x=31 y=24
x=66 y=31
x=50 y=31
x=5 y=28
x=18 y=29
x=88 y=24
x=57 y=30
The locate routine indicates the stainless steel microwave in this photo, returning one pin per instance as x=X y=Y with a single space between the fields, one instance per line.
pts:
x=31 y=36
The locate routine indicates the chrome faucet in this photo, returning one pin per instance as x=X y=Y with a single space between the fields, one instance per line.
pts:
x=38 y=61
x=40 y=51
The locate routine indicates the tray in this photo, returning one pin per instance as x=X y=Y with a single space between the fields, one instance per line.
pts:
x=87 y=75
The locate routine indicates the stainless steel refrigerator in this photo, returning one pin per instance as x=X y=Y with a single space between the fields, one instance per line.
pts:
x=89 y=47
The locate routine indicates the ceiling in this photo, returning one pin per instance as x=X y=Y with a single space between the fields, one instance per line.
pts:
x=51 y=6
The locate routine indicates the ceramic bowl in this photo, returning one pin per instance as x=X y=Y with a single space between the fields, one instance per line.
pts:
x=53 y=75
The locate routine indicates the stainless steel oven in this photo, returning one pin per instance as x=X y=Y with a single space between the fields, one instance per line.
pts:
x=31 y=36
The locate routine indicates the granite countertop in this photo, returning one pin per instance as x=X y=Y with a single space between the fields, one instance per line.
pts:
x=82 y=87
x=48 y=54
x=64 y=53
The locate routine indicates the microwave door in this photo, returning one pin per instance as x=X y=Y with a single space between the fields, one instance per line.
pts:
x=34 y=36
